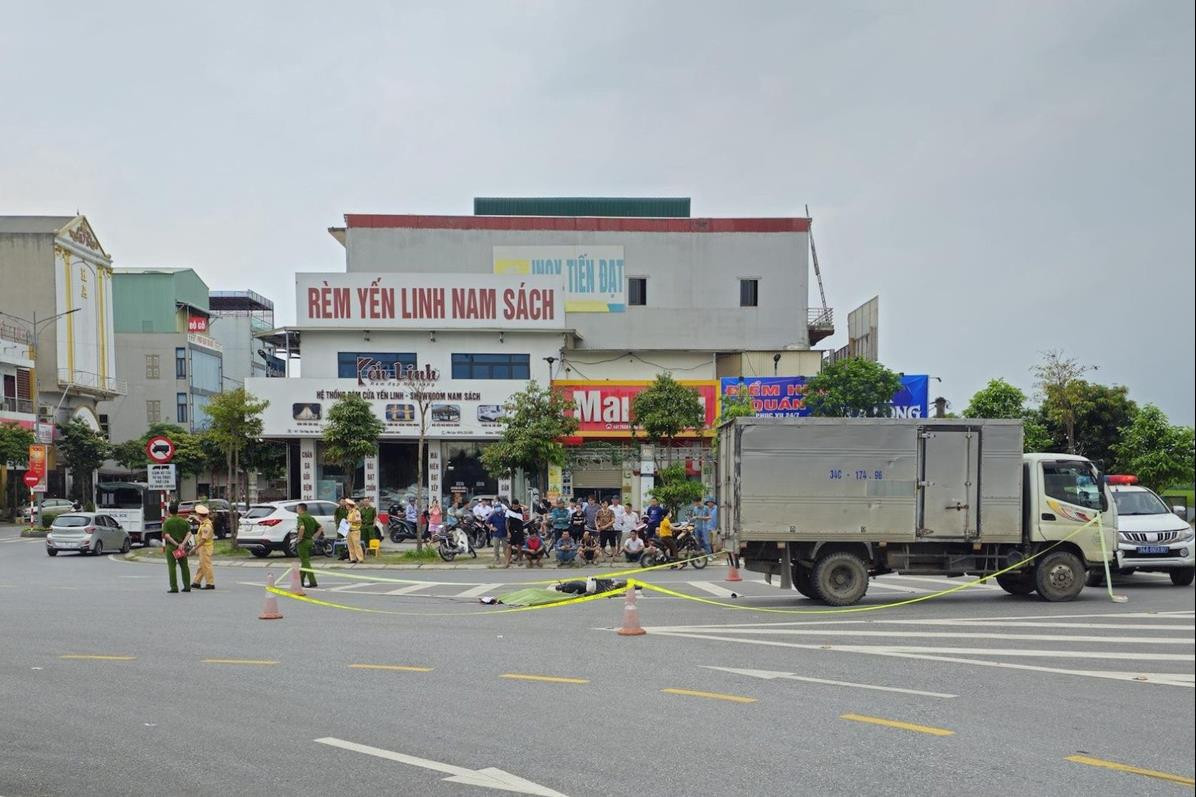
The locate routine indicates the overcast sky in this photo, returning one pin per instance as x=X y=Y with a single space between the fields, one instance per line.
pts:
x=1008 y=176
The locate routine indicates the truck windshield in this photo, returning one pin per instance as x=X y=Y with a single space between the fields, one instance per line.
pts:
x=1072 y=481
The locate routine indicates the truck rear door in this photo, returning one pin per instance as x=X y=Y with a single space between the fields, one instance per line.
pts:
x=949 y=482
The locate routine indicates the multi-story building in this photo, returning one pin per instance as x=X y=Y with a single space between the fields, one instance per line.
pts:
x=57 y=291
x=172 y=366
x=595 y=296
x=237 y=318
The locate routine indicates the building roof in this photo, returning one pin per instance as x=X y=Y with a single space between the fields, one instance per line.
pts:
x=652 y=207
x=578 y=223
x=238 y=300
x=151 y=270
x=34 y=224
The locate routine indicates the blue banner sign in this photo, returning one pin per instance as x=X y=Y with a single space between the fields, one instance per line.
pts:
x=785 y=396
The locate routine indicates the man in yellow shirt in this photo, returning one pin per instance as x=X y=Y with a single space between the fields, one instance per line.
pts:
x=354 y=518
x=665 y=532
x=205 y=539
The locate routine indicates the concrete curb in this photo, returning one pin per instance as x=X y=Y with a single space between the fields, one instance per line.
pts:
x=287 y=562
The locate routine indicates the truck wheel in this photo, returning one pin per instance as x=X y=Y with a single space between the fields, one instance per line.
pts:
x=1059 y=576
x=840 y=579
x=1016 y=583
x=1183 y=576
x=803 y=581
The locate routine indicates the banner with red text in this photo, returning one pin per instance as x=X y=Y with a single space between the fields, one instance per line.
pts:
x=603 y=409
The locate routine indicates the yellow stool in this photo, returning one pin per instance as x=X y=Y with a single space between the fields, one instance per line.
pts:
x=375 y=547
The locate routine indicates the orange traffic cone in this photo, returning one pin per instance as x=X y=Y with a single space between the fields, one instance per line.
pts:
x=631 y=615
x=732 y=570
x=297 y=581
x=270 y=607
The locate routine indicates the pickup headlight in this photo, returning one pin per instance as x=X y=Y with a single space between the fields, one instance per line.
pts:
x=1186 y=535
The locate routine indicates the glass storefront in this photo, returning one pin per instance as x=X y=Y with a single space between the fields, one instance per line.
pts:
x=463 y=471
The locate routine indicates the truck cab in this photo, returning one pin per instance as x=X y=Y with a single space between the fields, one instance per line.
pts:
x=1063 y=493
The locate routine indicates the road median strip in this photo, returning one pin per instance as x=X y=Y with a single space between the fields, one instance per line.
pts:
x=905 y=726
x=394 y=667
x=262 y=662
x=91 y=657
x=1132 y=770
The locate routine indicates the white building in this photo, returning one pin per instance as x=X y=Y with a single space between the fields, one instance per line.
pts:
x=638 y=295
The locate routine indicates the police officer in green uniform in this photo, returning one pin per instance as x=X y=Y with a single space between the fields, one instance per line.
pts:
x=308 y=529
x=369 y=514
x=175 y=533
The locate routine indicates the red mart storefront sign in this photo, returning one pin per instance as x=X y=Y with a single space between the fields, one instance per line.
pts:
x=603 y=409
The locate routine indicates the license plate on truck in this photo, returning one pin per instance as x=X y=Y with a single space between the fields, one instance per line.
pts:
x=1152 y=549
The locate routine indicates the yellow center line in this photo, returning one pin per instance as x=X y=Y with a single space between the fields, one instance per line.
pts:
x=711 y=695
x=551 y=679
x=396 y=667
x=1150 y=773
x=905 y=726
x=89 y=657
x=239 y=661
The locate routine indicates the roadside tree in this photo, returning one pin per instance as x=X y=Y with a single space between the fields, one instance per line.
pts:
x=1058 y=379
x=734 y=405
x=852 y=387
x=235 y=423
x=674 y=489
x=666 y=409
x=533 y=422
x=999 y=399
x=351 y=434
x=14 y=447
x=1101 y=412
x=1159 y=454
x=419 y=384
x=83 y=450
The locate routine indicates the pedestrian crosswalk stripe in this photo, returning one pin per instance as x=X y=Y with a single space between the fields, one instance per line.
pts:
x=949 y=581
x=407 y=590
x=480 y=589
x=347 y=587
x=713 y=589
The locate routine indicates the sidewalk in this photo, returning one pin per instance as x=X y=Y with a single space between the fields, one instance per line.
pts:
x=482 y=563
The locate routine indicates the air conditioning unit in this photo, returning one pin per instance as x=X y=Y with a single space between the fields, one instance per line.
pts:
x=43 y=412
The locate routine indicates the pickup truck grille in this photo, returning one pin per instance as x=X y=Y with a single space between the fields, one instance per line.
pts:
x=1150 y=536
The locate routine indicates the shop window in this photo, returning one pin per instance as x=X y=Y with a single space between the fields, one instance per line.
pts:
x=153 y=367
x=749 y=290
x=374 y=366
x=181 y=407
x=180 y=363
x=491 y=366
x=637 y=291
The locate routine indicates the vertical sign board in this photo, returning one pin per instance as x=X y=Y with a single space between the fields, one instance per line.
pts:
x=435 y=475
x=37 y=466
x=307 y=469
x=369 y=467
x=160 y=477
x=555 y=482
x=504 y=488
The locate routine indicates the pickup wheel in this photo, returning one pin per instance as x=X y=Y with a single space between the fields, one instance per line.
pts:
x=840 y=579
x=1183 y=576
x=803 y=581
x=1016 y=583
x=1059 y=576
x=260 y=553
x=291 y=545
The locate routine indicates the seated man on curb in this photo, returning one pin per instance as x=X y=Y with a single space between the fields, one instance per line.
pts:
x=566 y=549
x=633 y=546
x=533 y=549
x=589 y=548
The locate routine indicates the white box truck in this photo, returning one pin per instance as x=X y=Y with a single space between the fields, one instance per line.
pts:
x=826 y=503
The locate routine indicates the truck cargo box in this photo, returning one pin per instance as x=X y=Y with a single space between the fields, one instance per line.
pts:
x=871 y=479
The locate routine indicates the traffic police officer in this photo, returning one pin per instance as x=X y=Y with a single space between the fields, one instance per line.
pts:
x=354 y=518
x=175 y=534
x=205 y=542
x=308 y=529
x=369 y=515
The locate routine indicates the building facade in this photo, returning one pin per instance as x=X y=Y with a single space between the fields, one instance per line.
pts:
x=639 y=295
x=236 y=319
x=57 y=281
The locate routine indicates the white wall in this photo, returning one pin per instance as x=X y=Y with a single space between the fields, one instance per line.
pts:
x=623 y=366
x=693 y=281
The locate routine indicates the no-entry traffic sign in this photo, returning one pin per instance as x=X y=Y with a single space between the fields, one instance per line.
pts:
x=31 y=479
x=160 y=449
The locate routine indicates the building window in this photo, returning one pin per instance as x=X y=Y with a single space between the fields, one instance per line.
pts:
x=201 y=420
x=637 y=291
x=104 y=425
x=180 y=363
x=207 y=371
x=153 y=412
x=153 y=368
x=374 y=366
x=491 y=366
x=181 y=407
x=749 y=292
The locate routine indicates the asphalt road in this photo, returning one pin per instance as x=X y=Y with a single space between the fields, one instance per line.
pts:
x=109 y=686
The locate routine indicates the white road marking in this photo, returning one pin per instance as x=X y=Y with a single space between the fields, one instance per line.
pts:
x=770 y=675
x=874 y=584
x=488 y=778
x=1040 y=654
x=480 y=589
x=712 y=588
x=1030 y=624
x=1165 y=679
x=407 y=590
x=965 y=635
x=949 y=581
x=351 y=586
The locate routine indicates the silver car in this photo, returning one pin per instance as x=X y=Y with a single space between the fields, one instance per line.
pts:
x=86 y=532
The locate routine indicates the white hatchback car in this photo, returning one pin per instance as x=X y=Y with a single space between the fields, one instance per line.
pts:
x=271 y=527
x=86 y=532
x=1150 y=537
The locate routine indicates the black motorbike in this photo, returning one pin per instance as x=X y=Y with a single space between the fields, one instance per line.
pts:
x=447 y=547
x=688 y=548
x=397 y=525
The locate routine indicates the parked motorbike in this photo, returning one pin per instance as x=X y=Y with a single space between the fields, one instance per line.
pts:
x=448 y=548
x=400 y=528
x=688 y=548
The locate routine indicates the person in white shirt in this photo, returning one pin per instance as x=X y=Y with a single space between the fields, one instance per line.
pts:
x=620 y=512
x=482 y=510
x=633 y=546
x=630 y=520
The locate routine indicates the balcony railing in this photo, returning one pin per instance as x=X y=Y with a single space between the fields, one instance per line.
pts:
x=12 y=404
x=86 y=380
x=14 y=333
x=820 y=322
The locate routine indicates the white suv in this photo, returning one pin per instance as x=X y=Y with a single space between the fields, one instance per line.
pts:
x=1150 y=537
x=271 y=527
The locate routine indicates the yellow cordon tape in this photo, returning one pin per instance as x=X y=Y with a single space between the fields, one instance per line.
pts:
x=673 y=593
